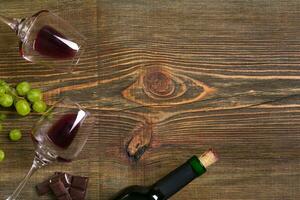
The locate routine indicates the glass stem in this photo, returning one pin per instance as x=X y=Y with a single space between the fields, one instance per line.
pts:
x=37 y=163
x=13 y=23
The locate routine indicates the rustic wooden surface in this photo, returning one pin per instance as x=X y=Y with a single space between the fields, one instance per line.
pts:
x=166 y=80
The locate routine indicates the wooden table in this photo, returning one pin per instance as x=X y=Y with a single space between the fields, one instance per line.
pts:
x=166 y=80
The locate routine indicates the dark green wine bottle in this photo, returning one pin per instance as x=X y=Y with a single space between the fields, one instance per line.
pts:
x=173 y=182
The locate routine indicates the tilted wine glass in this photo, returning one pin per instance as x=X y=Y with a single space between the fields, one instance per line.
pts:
x=59 y=135
x=47 y=39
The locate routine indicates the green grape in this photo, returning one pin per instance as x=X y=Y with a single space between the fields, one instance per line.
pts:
x=2 y=116
x=2 y=155
x=2 y=90
x=7 y=88
x=15 y=135
x=4 y=85
x=39 y=106
x=22 y=107
x=2 y=82
x=34 y=95
x=6 y=100
x=23 y=88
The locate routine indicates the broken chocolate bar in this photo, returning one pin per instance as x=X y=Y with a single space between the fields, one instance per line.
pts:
x=64 y=186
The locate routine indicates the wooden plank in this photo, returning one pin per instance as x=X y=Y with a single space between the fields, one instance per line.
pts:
x=220 y=74
x=193 y=74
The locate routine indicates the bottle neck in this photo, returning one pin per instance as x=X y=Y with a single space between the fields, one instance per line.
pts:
x=177 y=179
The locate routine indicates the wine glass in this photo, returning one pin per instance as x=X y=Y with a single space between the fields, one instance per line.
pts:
x=59 y=135
x=47 y=39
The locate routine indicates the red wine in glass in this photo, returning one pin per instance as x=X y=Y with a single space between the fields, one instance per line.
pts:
x=64 y=130
x=47 y=39
x=49 y=42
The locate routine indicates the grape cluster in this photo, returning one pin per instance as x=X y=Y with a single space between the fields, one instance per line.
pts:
x=23 y=98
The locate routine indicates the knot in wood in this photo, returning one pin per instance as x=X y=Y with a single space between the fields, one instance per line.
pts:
x=159 y=83
x=140 y=140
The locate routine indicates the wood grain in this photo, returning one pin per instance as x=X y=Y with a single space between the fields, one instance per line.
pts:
x=193 y=74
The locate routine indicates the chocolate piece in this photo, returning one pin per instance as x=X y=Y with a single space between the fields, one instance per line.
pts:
x=77 y=194
x=80 y=182
x=58 y=188
x=64 y=186
x=78 y=187
x=65 y=178
x=65 y=197
x=43 y=188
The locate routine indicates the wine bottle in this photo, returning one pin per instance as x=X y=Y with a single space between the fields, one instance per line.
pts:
x=173 y=182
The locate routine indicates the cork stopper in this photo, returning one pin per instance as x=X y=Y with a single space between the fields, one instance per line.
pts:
x=208 y=158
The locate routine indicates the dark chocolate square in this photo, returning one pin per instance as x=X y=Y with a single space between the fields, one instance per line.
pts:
x=65 y=178
x=77 y=194
x=79 y=182
x=43 y=188
x=58 y=188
